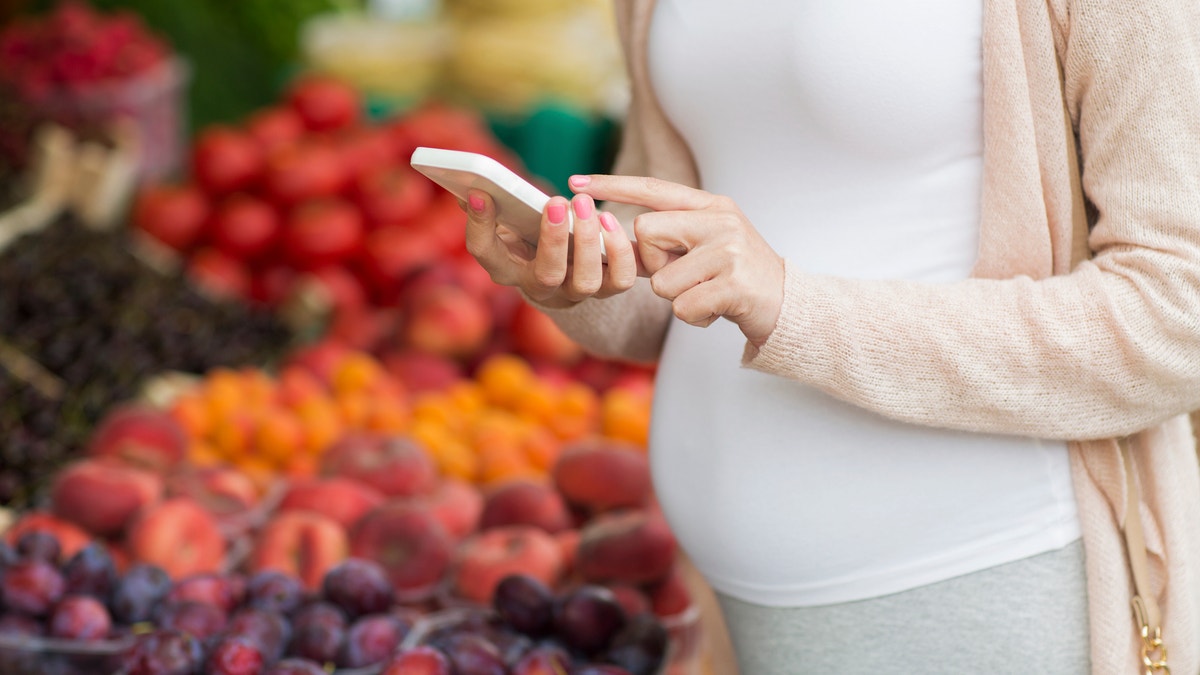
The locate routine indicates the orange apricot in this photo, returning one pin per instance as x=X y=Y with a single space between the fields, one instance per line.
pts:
x=505 y=378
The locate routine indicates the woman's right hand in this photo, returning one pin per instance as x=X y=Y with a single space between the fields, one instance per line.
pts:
x=554 y=273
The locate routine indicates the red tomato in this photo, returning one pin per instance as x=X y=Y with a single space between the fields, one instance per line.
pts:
x=272 y=284
x=244 y=227
x=324 y=103
x=366 y=149
x=304 y=171
x=322 y=232
x=341 y=288
x=225 y=160
x=390 y=256
x=219 y=275
x=172 y=214
x=275 y=127
x=393 y=195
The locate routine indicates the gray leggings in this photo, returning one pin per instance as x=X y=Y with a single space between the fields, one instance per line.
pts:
x=1028 y=616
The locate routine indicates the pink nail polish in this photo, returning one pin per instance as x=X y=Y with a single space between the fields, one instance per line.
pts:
x=556 y=213
x=609 y=222
x=476 y=203
x=579 y=181
x=584 y=206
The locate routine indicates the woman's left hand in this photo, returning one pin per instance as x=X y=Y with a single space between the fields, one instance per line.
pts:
x=701 y=252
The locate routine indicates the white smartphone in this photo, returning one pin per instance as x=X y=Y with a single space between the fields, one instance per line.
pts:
x=518 y=203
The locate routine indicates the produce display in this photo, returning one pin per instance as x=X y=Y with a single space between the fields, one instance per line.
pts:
x=94 y=322
x=279 y=421
x=84 y=70
x=372 y=505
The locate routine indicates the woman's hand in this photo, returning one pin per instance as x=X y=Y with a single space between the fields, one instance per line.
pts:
x=561 y=270
x=701 y=251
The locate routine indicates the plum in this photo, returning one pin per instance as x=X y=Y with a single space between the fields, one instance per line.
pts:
x=138 y=592
x=525 y=603
x=473 y=654
x=370 y=640
x=225 y=591
x=318 y=632
x=274 y=591
x=359 y=586
x=640 y=646
x=196 y=618
x=91 y=571
x=80 y=617
x=31 y=586
x=587 y=617
x=421 y=660
x=543 y=660
x=269 y=630
x=235 y=655
x=39 y=545
x=164 y=652
x=295 y=666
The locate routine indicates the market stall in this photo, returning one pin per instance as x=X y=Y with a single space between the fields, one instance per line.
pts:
x=260 y=412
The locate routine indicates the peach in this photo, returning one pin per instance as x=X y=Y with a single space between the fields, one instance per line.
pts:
x=488 y=556
x=601 y=474
x=342 y=499
x=423 y=371
x=71 y=537
x=179 y=536
x=140 y=435
x=103 y=496
x=670 y=596
x=634 y=546
x=303 y=544
x=568 y=543
x=536 y=337
x=457 y=504
x=222 y=490
x=408 y=541
x=320 y=359
x=397 y=466
x=525 y=502
x=447 y=320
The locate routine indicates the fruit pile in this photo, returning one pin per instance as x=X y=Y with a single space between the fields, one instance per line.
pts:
x=70 y=66
x=532 y=630
x=97 y=322
x=309 y=190
x=82 y=613
x=588 y=532
x=506 y=420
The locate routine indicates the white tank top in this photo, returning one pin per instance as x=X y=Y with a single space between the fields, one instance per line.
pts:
x=850 y=134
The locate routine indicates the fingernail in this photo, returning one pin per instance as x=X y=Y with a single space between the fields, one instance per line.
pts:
x=557 y=213
x=579 y=181
x=584 y=206
x=476 y=203
x=608 y=221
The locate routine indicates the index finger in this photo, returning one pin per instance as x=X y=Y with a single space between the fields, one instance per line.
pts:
x=652 y=193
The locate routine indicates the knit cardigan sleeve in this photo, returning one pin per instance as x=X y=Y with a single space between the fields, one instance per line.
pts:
x=1108 y=349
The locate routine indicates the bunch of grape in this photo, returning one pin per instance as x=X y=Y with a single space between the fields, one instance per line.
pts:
x=99 y=322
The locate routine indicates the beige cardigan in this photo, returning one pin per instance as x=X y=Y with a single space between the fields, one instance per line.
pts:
x=1061 y=333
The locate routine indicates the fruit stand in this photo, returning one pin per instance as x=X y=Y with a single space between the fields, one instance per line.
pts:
x=261 y=412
